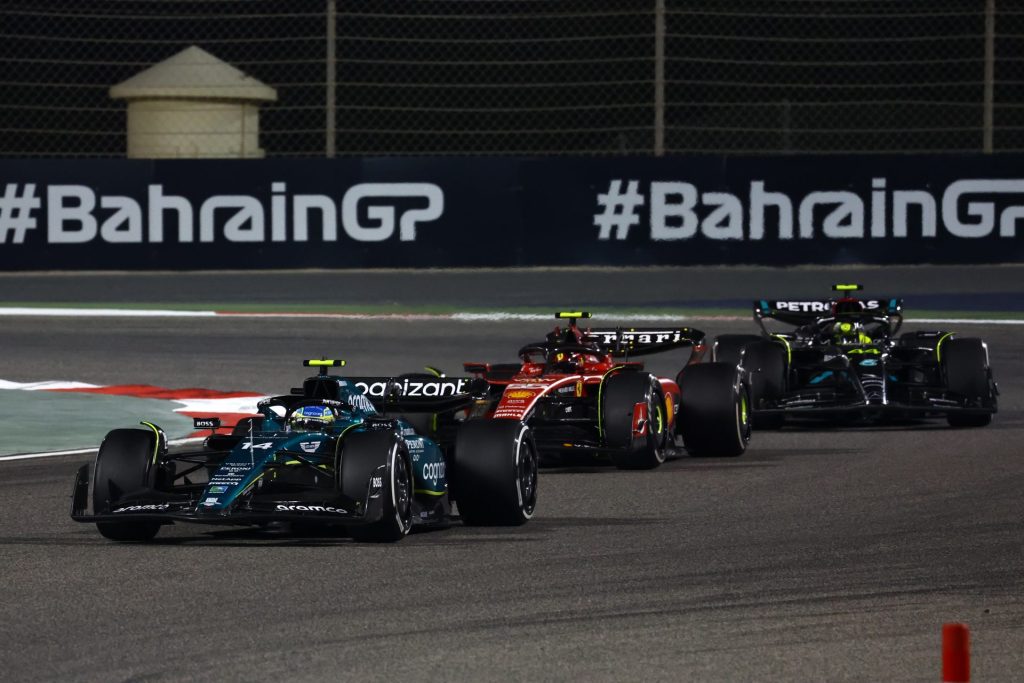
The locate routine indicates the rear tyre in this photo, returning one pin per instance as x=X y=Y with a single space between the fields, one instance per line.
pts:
x=494 y=473
x=714 y=416
x=619 y=396
x=765 y=363
x=124 y=465
x=362 y=455
x=965 y=362
x=729 y=347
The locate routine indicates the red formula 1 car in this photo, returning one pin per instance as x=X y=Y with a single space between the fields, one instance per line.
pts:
x=580 y=393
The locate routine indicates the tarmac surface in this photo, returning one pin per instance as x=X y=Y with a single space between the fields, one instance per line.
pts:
x=821 y=554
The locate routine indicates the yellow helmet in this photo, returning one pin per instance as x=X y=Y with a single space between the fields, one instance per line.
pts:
x=311 y=419
x=846 y=333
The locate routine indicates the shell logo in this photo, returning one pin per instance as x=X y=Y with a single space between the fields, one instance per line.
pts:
x=521 y=393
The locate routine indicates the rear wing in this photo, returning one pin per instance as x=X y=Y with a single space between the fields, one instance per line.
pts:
x=804 y=311
x=419 y=393
x=641 y=341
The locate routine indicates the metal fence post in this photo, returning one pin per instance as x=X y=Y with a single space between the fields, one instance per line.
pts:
x=990 y=69
x=330 y=142
x=659 y=78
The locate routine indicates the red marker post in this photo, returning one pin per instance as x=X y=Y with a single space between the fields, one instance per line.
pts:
x=956 y=653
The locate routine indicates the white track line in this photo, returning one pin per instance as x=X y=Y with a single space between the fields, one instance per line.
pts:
x=48 y=385
x=498 y=316
x=51 y=454
x=105 y=312
x=493 y=316
x=967 y=321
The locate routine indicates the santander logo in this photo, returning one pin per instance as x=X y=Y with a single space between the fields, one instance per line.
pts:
x=518 y=399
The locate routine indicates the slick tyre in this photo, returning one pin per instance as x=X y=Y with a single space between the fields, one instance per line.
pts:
x=765 y=363
x=714 y=419
x=362 y=455
x=619 y=396
x=124 y=465
x=494 y=473
x=965 y=363
x=729 y=347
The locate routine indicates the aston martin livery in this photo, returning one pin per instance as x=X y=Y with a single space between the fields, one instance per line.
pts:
x=335 y=452
x=845 y=358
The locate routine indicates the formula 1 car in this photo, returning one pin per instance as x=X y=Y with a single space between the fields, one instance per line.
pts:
x=580 y=394
x=322 y=455
x=841 y=358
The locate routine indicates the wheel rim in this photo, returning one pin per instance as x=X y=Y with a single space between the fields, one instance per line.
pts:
x=526 y=477
x=402 y=497
x=655 y=407
x=742 y=419
x=656 y=438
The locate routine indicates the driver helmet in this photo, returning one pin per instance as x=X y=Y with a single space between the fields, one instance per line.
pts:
x=311 y=419
x=847 y=332
x=568 y=362
x=848 y=328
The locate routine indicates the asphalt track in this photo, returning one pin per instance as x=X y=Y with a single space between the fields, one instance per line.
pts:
x=821 y=554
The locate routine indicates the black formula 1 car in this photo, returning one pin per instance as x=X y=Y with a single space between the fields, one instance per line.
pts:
x=582 y=394
x=323 y=455
x=841 y=358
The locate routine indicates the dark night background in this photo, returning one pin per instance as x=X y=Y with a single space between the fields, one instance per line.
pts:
x=534 y=78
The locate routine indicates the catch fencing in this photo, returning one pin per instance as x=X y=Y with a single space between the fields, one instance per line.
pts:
x=538 y=77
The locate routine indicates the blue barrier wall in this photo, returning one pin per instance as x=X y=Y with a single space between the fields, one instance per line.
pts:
x=118 y=214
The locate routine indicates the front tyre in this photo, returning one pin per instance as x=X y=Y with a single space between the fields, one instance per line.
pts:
x=619 y=396
x=363 y=453
x=494 y=473
x=765 y=364
x=714 y=414
x=728 y=348
x=965 y=363
x=125 y=464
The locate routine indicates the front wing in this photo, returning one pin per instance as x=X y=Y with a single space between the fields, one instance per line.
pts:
x=935 y=403
x=169 y=507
